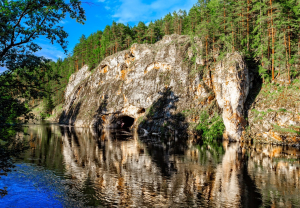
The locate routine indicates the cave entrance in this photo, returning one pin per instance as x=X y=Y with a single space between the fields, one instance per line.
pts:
x=142 y=110
x=125 y=122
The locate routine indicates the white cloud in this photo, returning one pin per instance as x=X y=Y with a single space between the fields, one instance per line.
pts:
x=50 y=51
x=63 y=22
x=107 y=7
x=138 y=10
x=101 y=0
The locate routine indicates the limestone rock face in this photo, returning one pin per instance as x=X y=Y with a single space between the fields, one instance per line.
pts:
x=230 y=81
x=163 y=87
x=161 y=84
x=75 y=79
x=129 y=82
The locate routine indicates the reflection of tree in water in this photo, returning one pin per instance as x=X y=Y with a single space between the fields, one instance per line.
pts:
x=142 y=172
x=6 y=165
x=11 y=146
x=211 y=151
x=275 y=170
x=100 y=169
x=45 y=145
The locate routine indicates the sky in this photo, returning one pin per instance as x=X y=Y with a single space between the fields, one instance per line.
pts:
x=100 y=13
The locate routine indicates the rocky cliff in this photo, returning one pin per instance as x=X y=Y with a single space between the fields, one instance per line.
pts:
x=274 y=113
x=164 y=88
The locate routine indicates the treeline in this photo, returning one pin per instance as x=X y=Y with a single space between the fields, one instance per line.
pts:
x=265 y=31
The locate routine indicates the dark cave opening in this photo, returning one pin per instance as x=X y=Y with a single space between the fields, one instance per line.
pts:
x=125 y=121
x=142 y=110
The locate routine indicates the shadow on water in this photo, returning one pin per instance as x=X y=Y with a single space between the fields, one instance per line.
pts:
x=251 y=196
x=11 y=146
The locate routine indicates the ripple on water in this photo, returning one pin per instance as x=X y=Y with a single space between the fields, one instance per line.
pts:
x=74 y=168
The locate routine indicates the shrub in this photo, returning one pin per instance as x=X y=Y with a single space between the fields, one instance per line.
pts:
x=210 y=128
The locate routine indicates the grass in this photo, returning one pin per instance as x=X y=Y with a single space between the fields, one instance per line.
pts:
x=140 y=120
x=258 y=115
x=279 y=96
x=58 y=110
x=285 y=130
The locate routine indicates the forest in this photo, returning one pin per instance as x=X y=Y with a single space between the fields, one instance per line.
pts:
x=266 y=32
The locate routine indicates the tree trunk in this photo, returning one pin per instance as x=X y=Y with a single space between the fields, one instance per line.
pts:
x=214 y=47
x=224 y=17
x=289 y=55
x=232 y=38
x=248 y=8
x=286 y=55
x=272 y=29
x=206 y=58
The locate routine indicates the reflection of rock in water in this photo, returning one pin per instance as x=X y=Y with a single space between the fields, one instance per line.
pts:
x=232 y=185
x=123 y=173
x=144 y=172
x=276 y=172
x=226 y=189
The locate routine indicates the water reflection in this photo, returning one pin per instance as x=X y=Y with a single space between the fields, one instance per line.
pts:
x=113 y=168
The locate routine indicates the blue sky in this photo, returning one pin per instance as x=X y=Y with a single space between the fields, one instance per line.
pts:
x=103 y=12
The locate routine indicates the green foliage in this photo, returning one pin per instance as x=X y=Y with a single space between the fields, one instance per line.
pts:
x=223 y=26
x=285 y=130
x=49 y=104
x=27 y=75
x=22 y=22
x=210 y=127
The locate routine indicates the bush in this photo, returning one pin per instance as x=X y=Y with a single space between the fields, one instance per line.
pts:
x=210 y=128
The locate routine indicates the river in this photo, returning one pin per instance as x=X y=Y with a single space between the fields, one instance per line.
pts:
x=81 y=167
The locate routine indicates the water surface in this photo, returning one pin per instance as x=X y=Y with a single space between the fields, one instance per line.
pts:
x=79 y=167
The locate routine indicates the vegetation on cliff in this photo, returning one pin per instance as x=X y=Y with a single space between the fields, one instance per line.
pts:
x=266 y=32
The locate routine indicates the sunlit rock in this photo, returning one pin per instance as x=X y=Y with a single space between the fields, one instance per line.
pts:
x=129 y=82
x=230 y=81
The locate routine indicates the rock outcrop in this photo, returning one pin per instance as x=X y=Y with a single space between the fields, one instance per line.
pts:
x=274 y=114
x=127 y=84
x=231 y=86
x=160 y=87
